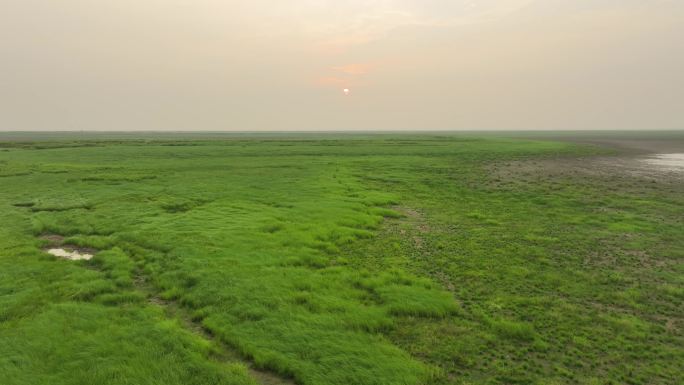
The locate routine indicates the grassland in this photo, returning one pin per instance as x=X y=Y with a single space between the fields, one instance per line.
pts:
x=396 y=259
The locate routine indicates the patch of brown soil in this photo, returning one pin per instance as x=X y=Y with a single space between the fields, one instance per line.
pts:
x=57 y=248
x=627 y=170
x=415 y=217
x=54 y=239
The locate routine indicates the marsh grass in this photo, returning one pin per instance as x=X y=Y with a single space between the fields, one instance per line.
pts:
x=309 y=259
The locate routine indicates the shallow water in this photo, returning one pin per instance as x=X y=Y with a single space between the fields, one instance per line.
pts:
x=669 y=162
x=70 y=254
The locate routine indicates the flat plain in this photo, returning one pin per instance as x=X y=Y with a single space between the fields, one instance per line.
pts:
x=341 y=259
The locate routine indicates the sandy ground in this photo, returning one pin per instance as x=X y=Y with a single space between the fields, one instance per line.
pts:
x=73 y=255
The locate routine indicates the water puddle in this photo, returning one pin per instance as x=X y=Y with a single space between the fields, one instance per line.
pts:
x=73 y=255
x=667 y=162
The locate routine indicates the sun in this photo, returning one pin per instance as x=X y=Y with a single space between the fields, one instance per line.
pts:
x=346 y=91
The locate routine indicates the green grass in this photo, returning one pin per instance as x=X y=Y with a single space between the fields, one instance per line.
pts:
x=334 y=260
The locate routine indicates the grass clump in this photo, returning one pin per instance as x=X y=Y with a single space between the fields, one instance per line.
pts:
x=417 y=301
x=515 y=330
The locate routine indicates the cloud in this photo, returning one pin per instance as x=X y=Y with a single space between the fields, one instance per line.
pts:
x=335 y=81
x=345 y=76
x=366 y=27
x=367 y=21
x=272 y=64
x=353 y=69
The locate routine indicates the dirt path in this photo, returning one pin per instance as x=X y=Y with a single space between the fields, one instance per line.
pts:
x=221 y=353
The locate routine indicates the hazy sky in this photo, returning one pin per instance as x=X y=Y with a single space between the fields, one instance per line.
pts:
x=283 y=64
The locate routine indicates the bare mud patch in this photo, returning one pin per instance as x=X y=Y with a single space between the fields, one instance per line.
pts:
x=74 y=255
x=667 y=162
x=667 y=168
x=57 y=249
x=54 y=239
x=661 y=167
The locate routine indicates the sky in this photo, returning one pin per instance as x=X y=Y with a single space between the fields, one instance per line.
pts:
x=275 y=65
